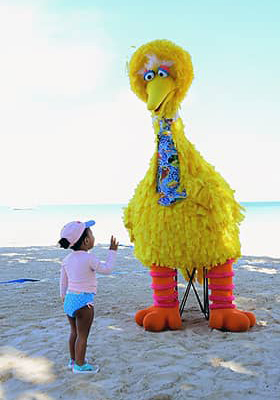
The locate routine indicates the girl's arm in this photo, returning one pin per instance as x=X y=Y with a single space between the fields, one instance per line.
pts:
x=63 y=282
x=107 y=267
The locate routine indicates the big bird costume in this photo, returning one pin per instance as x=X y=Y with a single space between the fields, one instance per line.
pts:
x=183 y=214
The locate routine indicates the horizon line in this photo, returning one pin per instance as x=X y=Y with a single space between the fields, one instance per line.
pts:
x=26 y=206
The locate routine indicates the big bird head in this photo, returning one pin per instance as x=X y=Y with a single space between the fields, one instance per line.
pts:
x=160 y=74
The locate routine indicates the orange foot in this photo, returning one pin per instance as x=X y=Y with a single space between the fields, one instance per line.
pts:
x=232 y=320
x=156 y=319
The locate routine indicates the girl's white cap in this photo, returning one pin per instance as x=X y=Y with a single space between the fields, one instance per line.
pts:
x=73 y=230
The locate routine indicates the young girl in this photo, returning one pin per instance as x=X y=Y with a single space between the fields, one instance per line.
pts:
x=78 y=287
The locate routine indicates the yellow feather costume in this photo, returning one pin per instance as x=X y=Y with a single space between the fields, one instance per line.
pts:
x=201 y=230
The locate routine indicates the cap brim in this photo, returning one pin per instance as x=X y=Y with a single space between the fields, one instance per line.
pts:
x=89 y=223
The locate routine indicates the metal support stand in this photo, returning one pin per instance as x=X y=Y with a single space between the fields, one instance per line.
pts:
x=205 y=306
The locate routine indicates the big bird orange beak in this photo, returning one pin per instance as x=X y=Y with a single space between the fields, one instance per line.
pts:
x=158 y=90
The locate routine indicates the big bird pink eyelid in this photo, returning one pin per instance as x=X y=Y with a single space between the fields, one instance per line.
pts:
x=165 y=68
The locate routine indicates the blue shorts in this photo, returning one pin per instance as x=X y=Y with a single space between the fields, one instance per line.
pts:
x=74 y=301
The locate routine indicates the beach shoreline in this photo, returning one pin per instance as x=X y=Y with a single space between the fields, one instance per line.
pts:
x=194 y=362
x=40 y=226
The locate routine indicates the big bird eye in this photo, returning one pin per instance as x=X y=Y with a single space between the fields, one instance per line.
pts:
x=149 y=75
x=162 y=73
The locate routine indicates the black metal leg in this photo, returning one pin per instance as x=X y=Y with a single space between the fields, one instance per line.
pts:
x=196 y=295
x=205 y=294
x=183 y=302
x=203 y=307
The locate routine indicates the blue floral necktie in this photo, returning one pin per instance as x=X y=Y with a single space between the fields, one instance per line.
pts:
x=168 y=171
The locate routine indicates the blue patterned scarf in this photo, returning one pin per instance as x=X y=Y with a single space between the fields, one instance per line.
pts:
x=168 y=171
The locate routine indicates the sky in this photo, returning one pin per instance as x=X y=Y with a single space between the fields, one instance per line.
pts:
x=72 y=132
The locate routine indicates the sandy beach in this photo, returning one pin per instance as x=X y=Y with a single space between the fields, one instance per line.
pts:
x=193 y=363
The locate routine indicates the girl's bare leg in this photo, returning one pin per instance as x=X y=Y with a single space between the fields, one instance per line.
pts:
x=84 y=318
x=72 y=337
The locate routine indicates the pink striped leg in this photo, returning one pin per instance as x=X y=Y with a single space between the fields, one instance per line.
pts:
x=164 y=314
x=223 y=313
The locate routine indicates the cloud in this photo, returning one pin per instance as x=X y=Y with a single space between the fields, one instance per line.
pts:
x=46 y=57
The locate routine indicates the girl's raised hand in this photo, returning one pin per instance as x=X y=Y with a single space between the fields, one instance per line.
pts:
x=114 y=244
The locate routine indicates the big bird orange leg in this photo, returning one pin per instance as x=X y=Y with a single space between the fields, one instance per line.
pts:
x=165 y=311
x=223 y=314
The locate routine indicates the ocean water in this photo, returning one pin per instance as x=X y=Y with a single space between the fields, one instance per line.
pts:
x=41 y=225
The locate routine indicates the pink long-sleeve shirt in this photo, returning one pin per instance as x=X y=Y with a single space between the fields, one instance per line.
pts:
x=78 y=271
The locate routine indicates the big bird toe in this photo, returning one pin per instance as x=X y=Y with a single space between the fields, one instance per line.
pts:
x=154 y=322
x=159 y=319
x=251 y=317
x=141 y=314
x=231 y=320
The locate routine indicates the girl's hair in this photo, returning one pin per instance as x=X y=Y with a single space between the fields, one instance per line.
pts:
x=65 y=243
